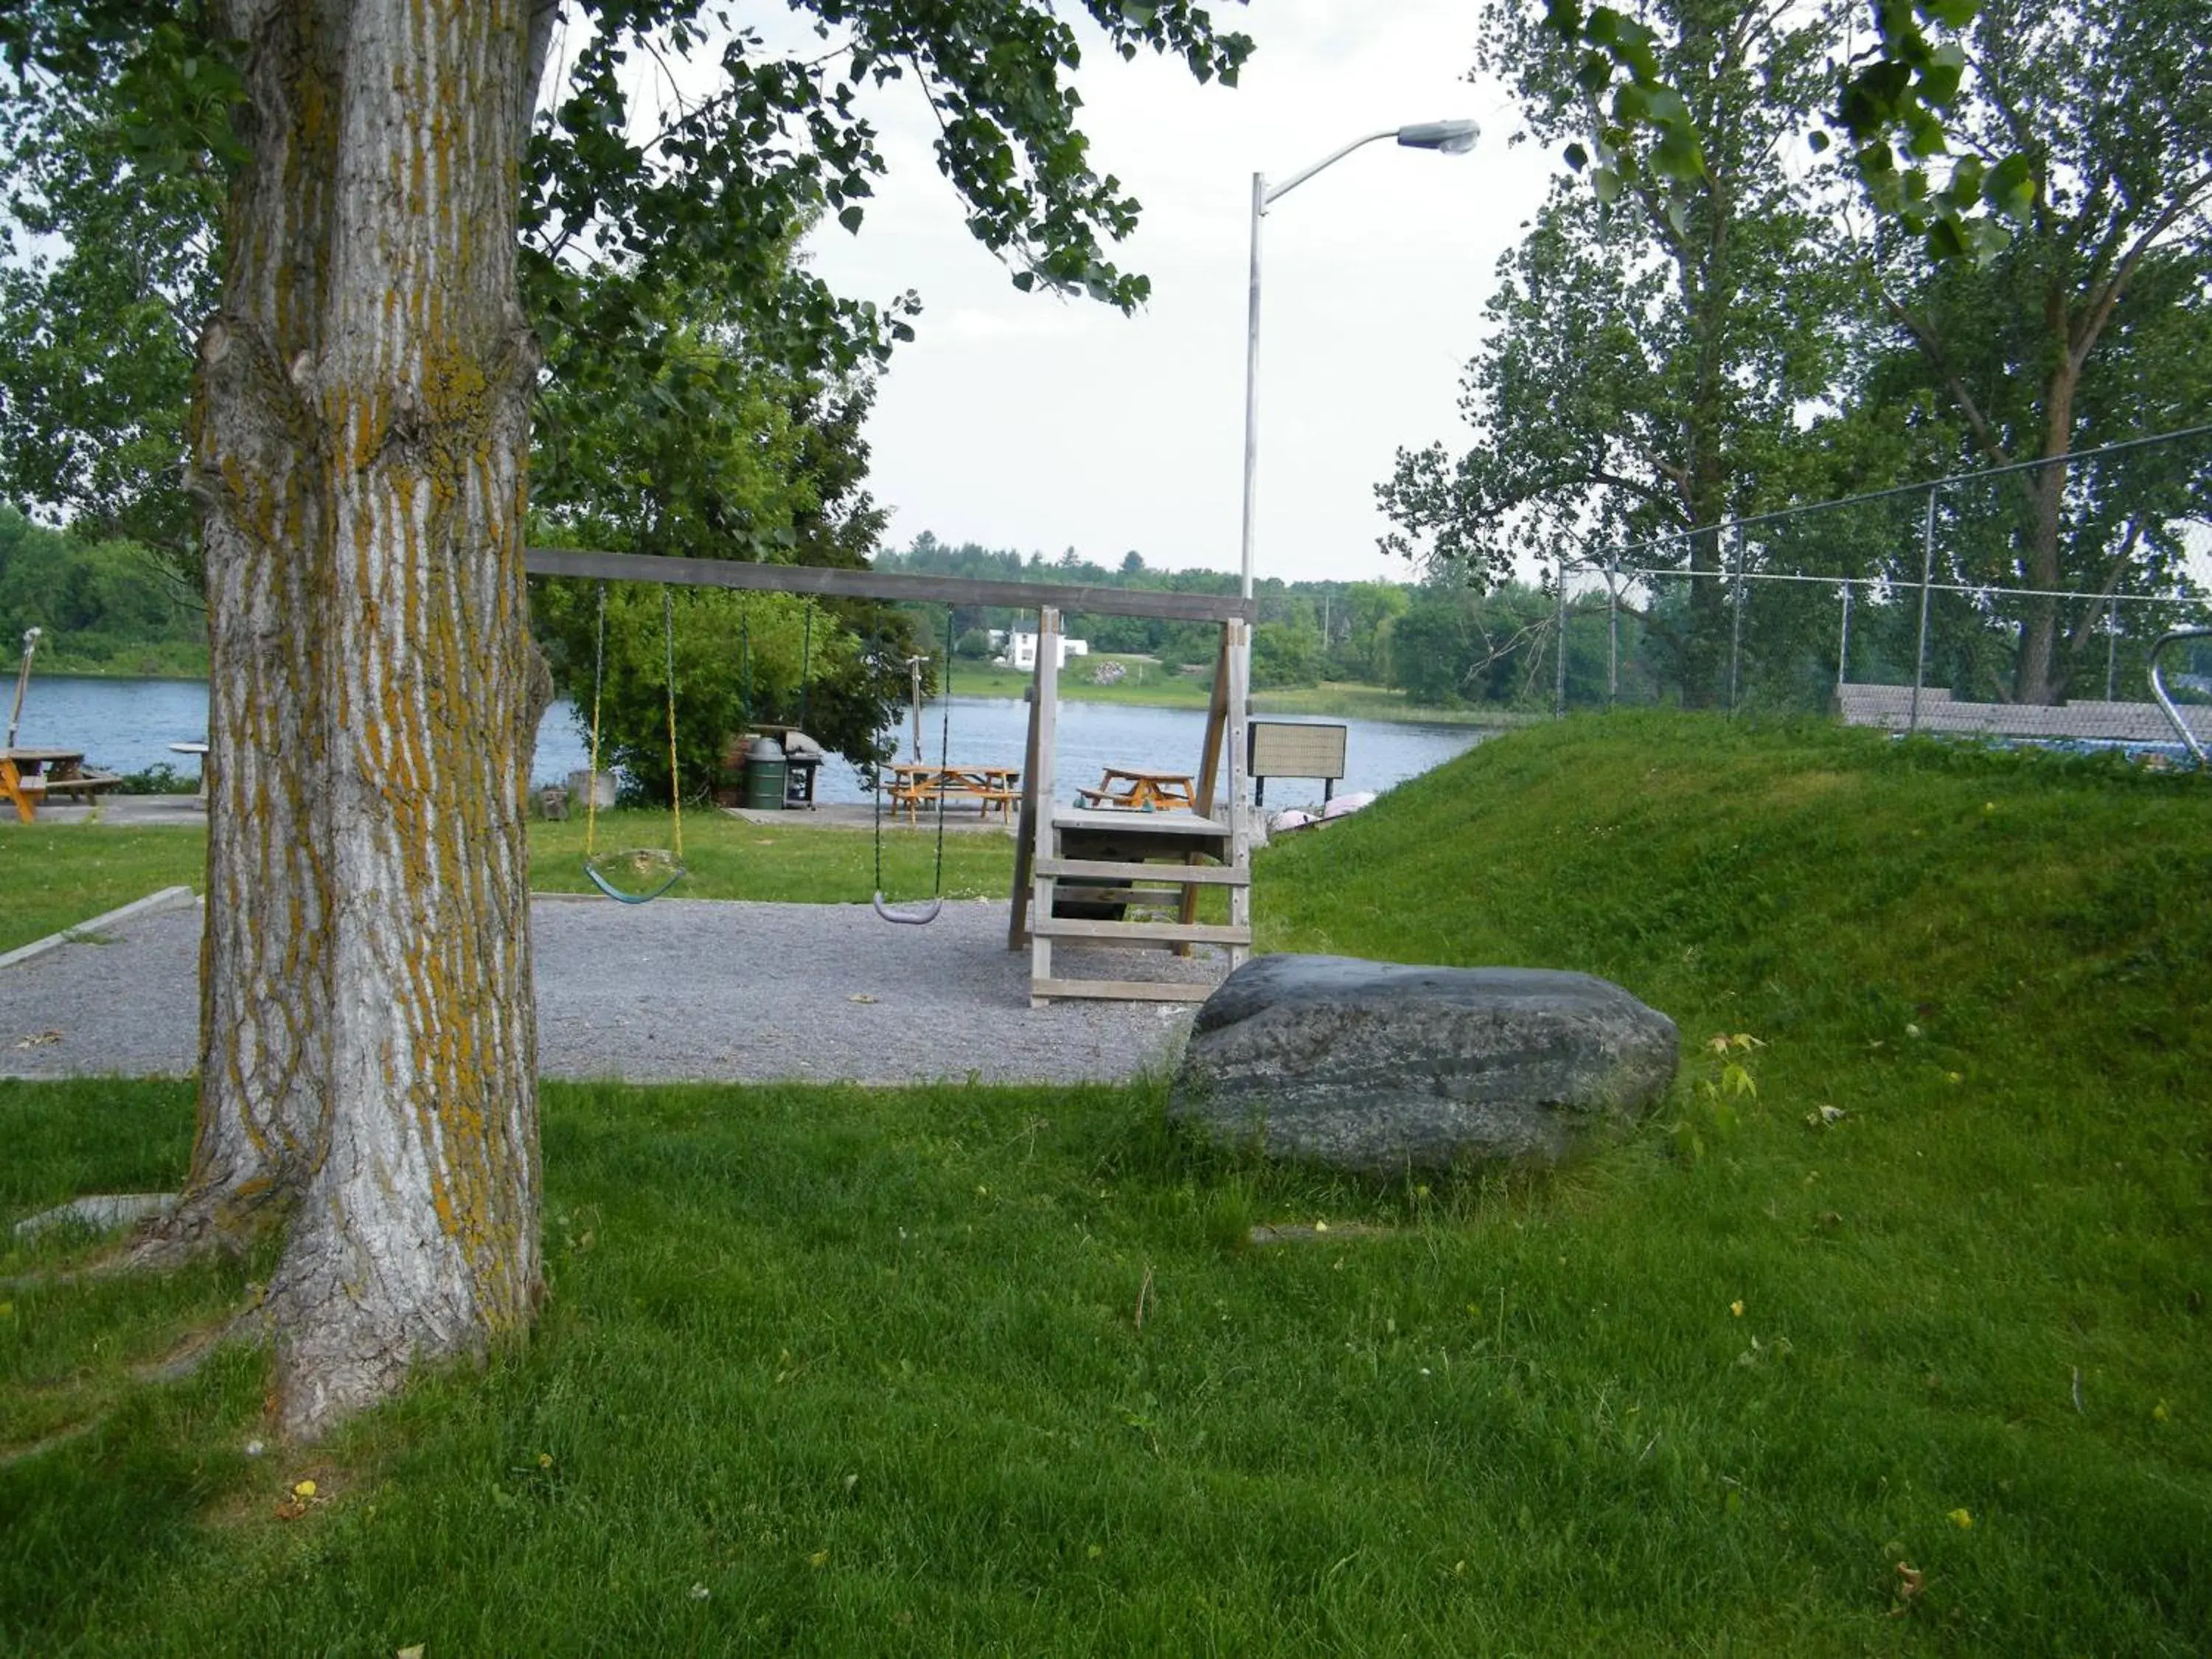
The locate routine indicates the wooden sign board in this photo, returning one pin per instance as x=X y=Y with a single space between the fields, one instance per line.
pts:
x=1295 y=748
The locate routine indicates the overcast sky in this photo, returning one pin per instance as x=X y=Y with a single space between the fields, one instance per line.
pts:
x=1040 y=423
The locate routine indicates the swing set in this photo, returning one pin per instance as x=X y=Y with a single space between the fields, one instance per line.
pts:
x=1070 y=863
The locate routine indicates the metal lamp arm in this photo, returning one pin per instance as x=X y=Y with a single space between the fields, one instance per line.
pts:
x=1298 y=179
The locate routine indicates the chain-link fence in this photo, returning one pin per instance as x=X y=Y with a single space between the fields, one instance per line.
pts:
x=2023 y=601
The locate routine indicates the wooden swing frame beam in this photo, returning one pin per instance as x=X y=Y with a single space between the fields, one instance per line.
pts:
x=827 y=581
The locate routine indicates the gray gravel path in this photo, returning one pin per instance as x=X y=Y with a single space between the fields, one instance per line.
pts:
x=677 y=990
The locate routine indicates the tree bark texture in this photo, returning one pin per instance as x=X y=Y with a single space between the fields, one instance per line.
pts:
x=2041 y=675
x=368 y=1036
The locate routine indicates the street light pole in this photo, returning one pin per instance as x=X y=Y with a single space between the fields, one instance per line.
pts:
x=1453 y=139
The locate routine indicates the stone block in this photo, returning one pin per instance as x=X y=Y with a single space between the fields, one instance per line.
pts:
x=1379 y=1067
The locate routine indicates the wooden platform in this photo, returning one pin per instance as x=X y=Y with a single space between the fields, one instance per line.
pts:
x=1097 y=875
x=1098 y=859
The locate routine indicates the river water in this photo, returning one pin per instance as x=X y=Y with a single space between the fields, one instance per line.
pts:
x=128 y=724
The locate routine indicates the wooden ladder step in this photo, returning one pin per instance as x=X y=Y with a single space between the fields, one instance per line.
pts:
x=1198 y=875
x=1118 y=990
x=1172 y=932
x=1082 y=893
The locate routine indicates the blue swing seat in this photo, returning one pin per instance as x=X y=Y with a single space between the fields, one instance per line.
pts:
x=639 y=861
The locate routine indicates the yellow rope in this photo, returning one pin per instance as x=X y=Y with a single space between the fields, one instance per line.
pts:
x=591 y=780
x=675 y=786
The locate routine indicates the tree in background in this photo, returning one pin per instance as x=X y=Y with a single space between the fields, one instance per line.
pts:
x=1652 y=349
x=359 y=434
x=1455 y=646
x=687 y=442
x=2092 y=324
x=741 y=660
x=1285 y=654
x=99 y=606
x=108 y=276
x=1363 y=618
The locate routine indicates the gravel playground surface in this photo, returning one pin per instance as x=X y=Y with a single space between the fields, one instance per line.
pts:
x=679 y=990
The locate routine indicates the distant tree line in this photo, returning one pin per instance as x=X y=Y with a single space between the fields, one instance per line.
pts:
x=100 y=607
x=1770 y=329
x=1307 y=632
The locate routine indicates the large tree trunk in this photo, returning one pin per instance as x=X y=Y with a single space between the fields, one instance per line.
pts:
x=369 y=1043
x=2039 y=674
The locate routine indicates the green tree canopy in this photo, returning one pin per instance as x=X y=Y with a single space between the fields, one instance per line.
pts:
x=1650 y=356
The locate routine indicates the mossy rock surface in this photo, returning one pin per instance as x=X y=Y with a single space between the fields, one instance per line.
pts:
x=1379 y=1067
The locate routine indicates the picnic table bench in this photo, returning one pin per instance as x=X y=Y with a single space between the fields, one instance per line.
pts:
x=915 y=785
x=1122 y=790
x=27 y=776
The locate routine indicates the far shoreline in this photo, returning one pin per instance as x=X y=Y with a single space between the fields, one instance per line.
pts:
x=1328 y=699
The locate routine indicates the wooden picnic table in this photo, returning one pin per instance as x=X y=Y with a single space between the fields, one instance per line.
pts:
x=917 y=783
x=27 y=776
x=1122 y=790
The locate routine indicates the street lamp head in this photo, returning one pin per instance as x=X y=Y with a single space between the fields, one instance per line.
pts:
x=1453 y=138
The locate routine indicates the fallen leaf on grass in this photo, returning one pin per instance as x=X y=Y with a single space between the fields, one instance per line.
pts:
x=1911 y=1580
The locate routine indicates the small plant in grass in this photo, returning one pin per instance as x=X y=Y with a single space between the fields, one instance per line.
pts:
x=1718 y=1092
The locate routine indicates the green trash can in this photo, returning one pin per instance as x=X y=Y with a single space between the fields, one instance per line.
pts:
x=767 y=772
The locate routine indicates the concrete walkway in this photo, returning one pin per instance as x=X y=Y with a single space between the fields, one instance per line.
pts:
x=677 y=990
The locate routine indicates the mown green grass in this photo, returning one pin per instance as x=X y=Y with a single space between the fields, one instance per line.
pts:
x=868 y=1369
x=59 y=875
x=729 y=858
x=63 y=875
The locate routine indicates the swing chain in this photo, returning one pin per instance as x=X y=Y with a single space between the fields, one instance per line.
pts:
x=944 y=759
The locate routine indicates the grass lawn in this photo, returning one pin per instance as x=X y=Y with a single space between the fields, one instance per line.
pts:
x=796 y=864
x=65 y=874
x=58 y=875
x=980 y=1370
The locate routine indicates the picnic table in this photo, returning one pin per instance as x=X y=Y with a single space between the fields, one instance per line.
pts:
x=916 y=783
x=198 y=751
x=27 y=776
x=1122 y=790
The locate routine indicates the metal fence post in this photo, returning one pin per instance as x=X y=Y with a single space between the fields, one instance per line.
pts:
x=1613 y=632
x=1927 y=577
x=2111 y=647
x=1735 y=635
x=1844 y=640
x=1559 y=672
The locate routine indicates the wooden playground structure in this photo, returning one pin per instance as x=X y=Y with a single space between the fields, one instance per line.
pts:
x=1142 y=840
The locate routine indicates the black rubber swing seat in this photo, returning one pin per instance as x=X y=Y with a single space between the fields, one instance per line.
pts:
x=634 y=877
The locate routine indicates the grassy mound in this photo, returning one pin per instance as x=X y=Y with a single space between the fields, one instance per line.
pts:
x=960 y=1370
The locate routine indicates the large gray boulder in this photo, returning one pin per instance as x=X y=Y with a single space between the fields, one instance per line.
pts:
x=1377 y=1067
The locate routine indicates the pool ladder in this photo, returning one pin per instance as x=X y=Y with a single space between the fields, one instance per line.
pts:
x=2158 y=689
